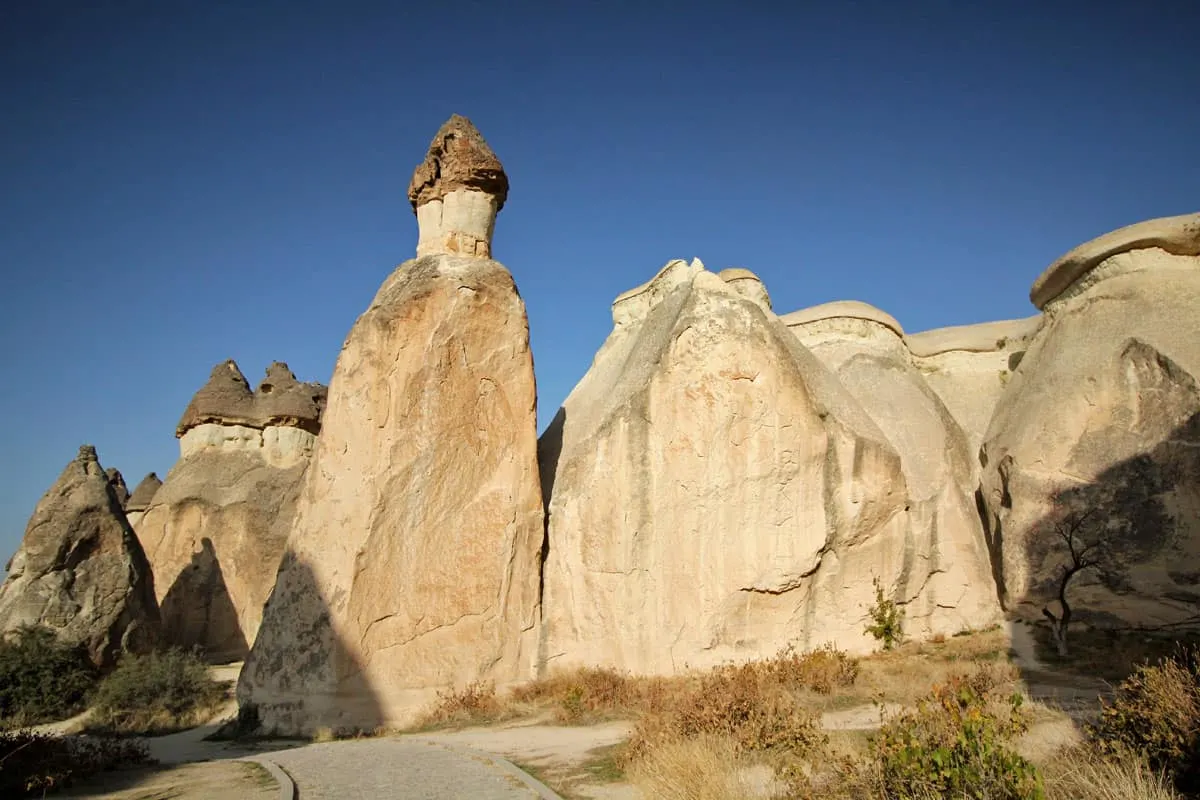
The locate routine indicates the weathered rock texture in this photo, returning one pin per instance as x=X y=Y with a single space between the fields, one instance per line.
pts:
x=969 y=366
x=80 y=570
x=457 y=191
x=118 y=483
x=413 y=565
x=947 y=572
x=216 y=529
x=715 y=492
x=1103 y=416
x=140 y=499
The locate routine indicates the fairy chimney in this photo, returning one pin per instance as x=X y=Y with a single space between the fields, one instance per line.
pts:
x=457 y=191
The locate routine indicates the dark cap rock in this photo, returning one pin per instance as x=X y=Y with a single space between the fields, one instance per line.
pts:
x=458 y=158
x=280 y=400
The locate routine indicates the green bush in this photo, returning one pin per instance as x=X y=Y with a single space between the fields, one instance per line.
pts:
x=1156 y=712
x=955 y=744
x=32 y=764
x=156 y=693
x=41 y=680
x=887 y=619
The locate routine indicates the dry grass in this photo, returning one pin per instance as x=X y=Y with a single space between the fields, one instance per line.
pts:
x=706 y=767
x=1082 y=773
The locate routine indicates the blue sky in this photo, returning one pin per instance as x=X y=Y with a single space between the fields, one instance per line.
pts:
x=185 y=182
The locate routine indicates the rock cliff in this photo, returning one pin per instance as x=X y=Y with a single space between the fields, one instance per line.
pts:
x=714 y=492
x=1097 y=435
x=413 y=563
x=215 y=530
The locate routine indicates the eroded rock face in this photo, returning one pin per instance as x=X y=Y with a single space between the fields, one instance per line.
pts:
x=969 y=366
x=714 y=492
x=1101 y=421
x=216 y=529
x=413 y=564
x=117 y=480
x=80 y=570
x=948 y=586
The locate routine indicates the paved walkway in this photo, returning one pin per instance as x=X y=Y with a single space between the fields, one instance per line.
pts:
x=408 y=768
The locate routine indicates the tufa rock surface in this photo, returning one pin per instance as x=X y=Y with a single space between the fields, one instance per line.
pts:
x=140 y=499
x=714 y=493
x=946 y=575
x=80 y=570
x=969 y=366
x=1099 y=429
x=413 y=564
x=1178 y=236
x=216 y=529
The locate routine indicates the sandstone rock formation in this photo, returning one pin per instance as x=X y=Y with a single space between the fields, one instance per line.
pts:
x=140 y=499
x=413 y=563
x=714 y=492
x=969 y=366
x=80 y=570
x=215 y=531
x=947 y=575
x=1099 y=430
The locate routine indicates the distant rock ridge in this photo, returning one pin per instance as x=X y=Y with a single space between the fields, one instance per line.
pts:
x=117 y=480
x=279 y=401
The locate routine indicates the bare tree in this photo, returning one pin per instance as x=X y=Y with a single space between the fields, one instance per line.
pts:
x=1083 y=553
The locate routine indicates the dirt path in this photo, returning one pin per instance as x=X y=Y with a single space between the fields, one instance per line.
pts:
x=216 y=780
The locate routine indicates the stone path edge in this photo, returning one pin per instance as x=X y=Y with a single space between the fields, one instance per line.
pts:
x=287 y=788
x=533 y=784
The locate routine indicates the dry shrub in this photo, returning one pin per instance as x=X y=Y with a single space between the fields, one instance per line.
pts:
x=1085 y=773
x=476 y=702
x=705 y=767
x=752 y=705
x=156 y=693
x=1156 y=712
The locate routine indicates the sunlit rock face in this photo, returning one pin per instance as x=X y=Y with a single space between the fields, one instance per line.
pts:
x=80 y=570
x=716 y=493
x=414 y=561
x=1100 y=423
x=215 y=530
x=969 y=367
x=946 y=584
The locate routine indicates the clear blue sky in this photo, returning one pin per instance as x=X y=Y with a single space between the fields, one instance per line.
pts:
x=185 y=182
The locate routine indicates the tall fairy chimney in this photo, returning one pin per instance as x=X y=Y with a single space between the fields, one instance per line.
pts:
x=457 y=191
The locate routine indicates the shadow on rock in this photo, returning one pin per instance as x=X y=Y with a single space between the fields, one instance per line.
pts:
x=197 y=610
x=300 y=676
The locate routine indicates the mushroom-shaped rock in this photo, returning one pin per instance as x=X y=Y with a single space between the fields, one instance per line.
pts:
x=413 y=561
x=225 y=399
x=457 y=191
x=80 y=570
x=282 y=400
x=747 y=284
x=1097 y=435
x=118 y=483
x=1178 y=236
